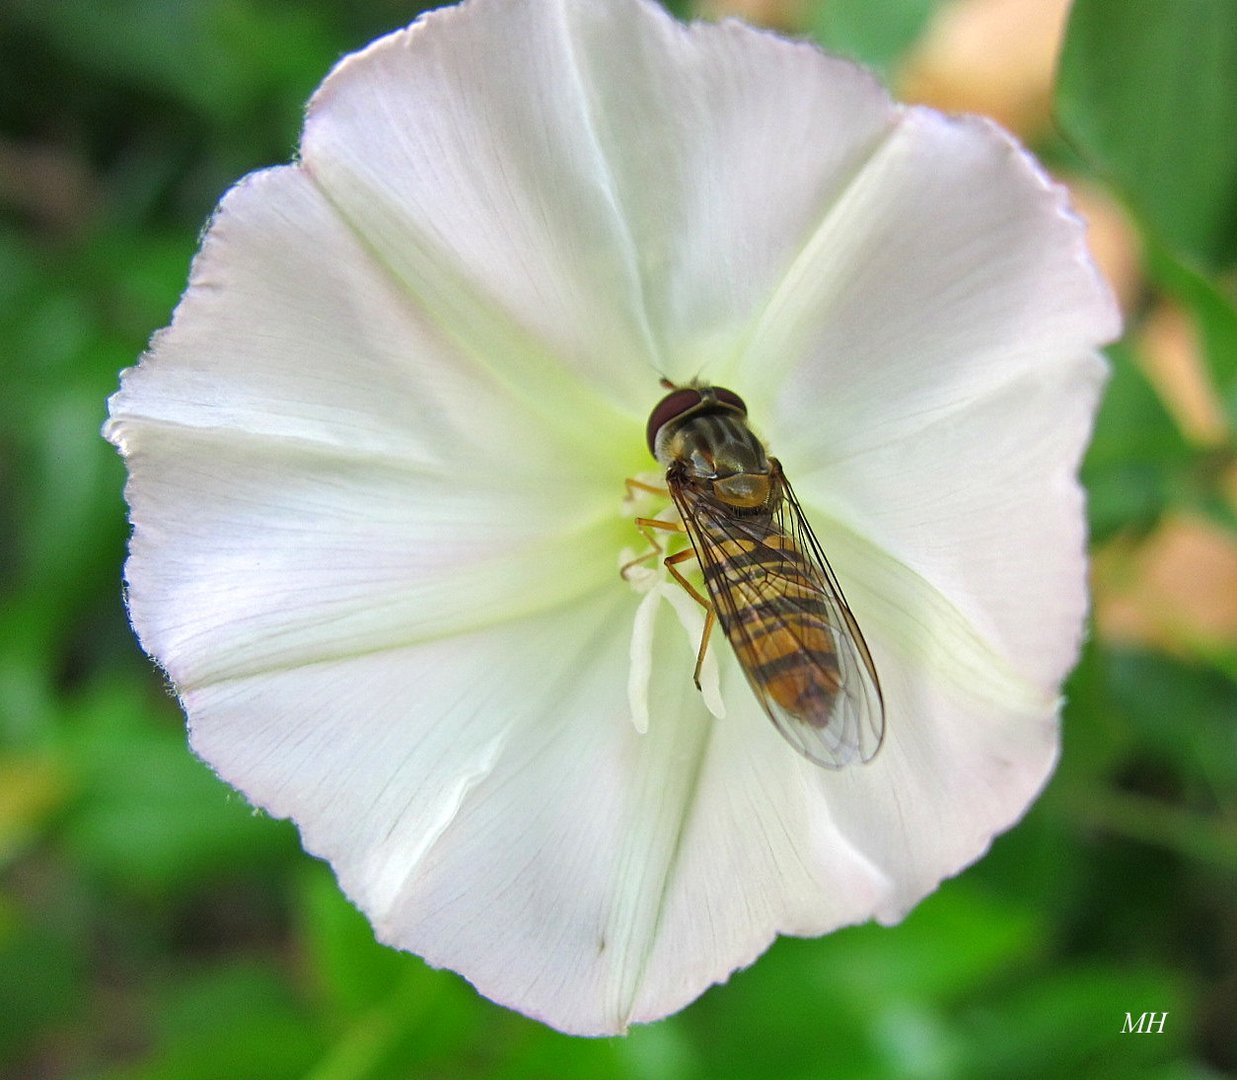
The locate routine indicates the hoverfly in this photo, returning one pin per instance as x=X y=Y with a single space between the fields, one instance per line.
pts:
x=768 y=581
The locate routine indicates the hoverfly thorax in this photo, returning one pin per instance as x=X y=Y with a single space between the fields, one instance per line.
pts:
x=701 y=433
x=766 y=579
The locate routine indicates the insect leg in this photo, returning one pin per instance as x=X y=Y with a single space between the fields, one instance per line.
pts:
x=655 y=549
x=671 y=565
x=639 y=485
x=710 y=616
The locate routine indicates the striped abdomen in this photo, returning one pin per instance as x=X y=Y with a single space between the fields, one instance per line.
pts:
x=771 y=605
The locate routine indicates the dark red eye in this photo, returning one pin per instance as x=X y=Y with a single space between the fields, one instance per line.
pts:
x=685 y=399
x=729 y=397
x=674 y=404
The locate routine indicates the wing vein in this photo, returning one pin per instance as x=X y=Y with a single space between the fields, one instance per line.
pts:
x=783 y=612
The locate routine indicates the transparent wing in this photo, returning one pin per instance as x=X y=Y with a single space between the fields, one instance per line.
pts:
x=860 y=709
x=790 y=626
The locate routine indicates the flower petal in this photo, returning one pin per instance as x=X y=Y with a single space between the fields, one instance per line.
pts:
x=485 y=800
x=315 y=470
x=951 y=266
x=489 y=806
x=774 y=844
x=724 y=147
x=953 y=772
x=470 y=168
x=605 y=191
x=762 y=853
x=291 y=329
x=939 y=386
x=983 y=508
x=251 y=555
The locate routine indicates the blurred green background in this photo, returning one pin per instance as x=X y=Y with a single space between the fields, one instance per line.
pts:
x=152 y=926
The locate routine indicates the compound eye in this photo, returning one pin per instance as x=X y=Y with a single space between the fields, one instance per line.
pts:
x=729 y=397
x=673 y=405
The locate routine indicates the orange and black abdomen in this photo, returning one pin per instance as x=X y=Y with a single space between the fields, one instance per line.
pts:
x=770 y=604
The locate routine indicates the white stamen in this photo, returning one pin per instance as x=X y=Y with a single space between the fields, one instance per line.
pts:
x=641 y=669
x=641 y=576
x=650 y=579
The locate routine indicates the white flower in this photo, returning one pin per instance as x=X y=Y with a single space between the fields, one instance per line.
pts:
x=377 y=477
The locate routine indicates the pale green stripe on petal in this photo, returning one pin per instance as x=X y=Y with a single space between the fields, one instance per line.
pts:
x=983 y=505
x=909 y=621
x=471 y=171
x=252 y=556
x=723 y=145
x=485 y=798
x=950 y=268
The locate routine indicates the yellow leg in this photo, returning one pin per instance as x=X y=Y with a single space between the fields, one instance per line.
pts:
x=646 y=525
x=671 y=565
x=639 y=485
x=710 y=616
x=655 y=549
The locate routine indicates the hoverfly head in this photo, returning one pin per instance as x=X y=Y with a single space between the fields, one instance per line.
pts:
x=684 y=403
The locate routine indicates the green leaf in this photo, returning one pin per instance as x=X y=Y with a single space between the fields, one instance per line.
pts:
x=1137 y=453
x=1068 y=1024
x=872 y=993
x=877 y=32
x=150 y=818
x=356 y=971
x=1169 y=734
x=222 y=58
x=1148 y=689
x=40 y=978
x=237 y=1019
x=1148 y=92
x=948 y=947
x=1217 y=321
